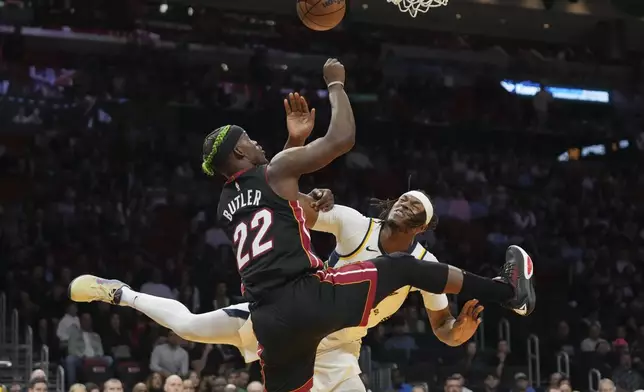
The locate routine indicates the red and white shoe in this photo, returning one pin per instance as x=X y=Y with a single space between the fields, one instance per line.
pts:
x=518 y=272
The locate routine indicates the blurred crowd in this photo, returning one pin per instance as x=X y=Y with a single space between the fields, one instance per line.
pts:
x=102 y=175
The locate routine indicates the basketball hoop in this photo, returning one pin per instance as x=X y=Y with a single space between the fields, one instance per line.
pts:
x=413 y=7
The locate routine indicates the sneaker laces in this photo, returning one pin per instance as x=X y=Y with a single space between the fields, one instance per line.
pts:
x=507 y=270
x=101 y=292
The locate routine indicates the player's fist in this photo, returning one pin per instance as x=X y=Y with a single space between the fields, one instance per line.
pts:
x=324 y=199
x=333 y=71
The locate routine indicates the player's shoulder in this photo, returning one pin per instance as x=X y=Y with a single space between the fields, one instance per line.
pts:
x=346 y=216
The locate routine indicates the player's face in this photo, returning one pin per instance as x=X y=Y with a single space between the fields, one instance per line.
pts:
x=252 y=150
x=404 y=210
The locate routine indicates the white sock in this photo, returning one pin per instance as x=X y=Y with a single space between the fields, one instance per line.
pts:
x=128 y=296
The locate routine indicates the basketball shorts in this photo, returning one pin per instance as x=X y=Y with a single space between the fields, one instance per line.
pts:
x=290 y=322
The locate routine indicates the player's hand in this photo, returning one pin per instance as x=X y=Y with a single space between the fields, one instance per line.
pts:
x=333 y=71
x=299 y=120
x=324 y=199
x=467 y=321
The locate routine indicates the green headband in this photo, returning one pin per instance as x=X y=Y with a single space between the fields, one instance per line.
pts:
x=225 y=140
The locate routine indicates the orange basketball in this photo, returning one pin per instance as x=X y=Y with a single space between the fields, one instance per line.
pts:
x=321 y=15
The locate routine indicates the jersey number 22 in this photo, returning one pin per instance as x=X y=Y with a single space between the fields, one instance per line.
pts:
x=259 y=223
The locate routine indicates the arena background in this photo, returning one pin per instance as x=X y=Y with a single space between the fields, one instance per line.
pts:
x=103 y=106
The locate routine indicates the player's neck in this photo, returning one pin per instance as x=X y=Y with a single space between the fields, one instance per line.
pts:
x=233 y=171
x=392 y=239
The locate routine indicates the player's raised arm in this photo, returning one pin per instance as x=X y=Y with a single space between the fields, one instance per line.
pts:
x=286 y=167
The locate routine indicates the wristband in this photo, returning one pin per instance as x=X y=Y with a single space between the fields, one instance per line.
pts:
x=334 y=83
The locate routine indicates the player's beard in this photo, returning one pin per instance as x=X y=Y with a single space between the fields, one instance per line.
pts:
x=397 y=227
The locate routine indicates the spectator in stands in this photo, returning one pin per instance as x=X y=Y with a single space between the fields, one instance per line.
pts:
x=562 y=341
x=38 y=373
x=188 y=293
x=91 y=387
x=169 y=358
x=502 y=359
x=607 y=385
x=188 y=386
x=461 y=379
x=589 y=344
x=221 y=296
x=242 y=379
x=38 y=385
x=216 y=237
x=15 y=387
x=113 y=385
x=255 y=386
x=491 y=383
x=173 y=384
x=219 y=384
x=194 y=377
x=555 y=379
x=521 y=383
x=565 y=385
x=400 y=340
x=156 y=286
x=453 y=385
x=68 y=322
x=230 y=388
x=625 y=377
x=77 y=388
x=83 y=344
x=398 y=381
x=601 y=359
x=418 y=388
x=116 y=342
x=472 y=362
x=154 y=382
x=139 y=387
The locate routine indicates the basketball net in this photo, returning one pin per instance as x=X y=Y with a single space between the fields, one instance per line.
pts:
x=413 y=7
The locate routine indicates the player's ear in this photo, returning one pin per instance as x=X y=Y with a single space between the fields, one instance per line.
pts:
x=238 y=151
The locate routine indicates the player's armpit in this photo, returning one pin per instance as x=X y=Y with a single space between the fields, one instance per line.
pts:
x=286 y=167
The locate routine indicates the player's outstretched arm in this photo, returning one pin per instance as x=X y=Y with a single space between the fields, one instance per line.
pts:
x=285 y=168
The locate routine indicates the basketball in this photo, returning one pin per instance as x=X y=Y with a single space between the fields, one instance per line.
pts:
x=321 y=15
